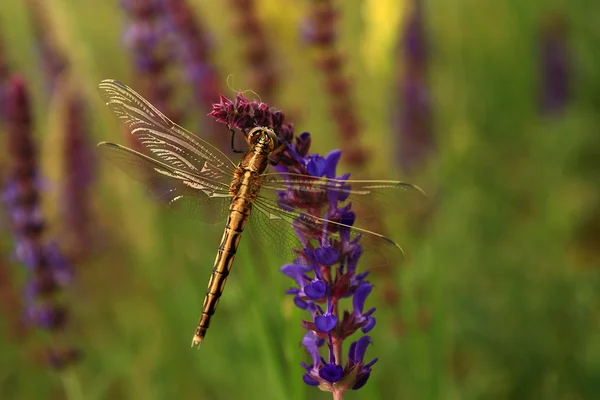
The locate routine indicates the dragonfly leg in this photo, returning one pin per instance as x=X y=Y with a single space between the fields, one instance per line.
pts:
x=233 y=142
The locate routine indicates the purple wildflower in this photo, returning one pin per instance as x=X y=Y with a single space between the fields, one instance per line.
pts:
x=416 y=136
x=319 y=31
x=555 y=65
x=148 y=40
x=48 y=270
x=3 y=79
x=194 y=47
x=52 y=59
x=325 y=269
x=79 y=173
x=258 y=55
x=77 y=151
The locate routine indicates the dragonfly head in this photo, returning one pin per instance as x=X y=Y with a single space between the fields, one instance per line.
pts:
x=264 y=137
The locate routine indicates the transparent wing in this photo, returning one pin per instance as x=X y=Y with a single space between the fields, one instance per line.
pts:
x=165 y=140
x=277 y=229
x=194 y=195
x=310 y=192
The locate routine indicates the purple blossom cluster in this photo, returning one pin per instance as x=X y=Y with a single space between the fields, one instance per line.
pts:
x=52 y=60
x=4 y=73
x=77 y=150
x=257 y=50
x=555 y=63
x=146 y=36
x=79 y=173
x=49 y=271
x=319 y=30
x=416 y=133
x=194 y=49
x=325 y=270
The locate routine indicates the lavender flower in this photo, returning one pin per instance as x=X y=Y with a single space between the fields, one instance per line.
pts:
x=48 y=270
x=79 y=173
x=319 y=31
x=325 y=272
x=193 y=46
x=555 y=63
x=53 y=61
x=4 y=73
x=148 y=40
x=77 y=151
x=257 y=52
x=416 y=135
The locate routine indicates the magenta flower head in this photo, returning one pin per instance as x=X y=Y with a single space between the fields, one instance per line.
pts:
x=325 y=270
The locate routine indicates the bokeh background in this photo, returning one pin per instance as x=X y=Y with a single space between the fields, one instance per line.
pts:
x=492 y=107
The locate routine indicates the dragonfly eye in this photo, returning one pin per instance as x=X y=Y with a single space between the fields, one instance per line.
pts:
x=264 y=136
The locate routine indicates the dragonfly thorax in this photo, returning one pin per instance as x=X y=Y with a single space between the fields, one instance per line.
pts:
x=263 y=137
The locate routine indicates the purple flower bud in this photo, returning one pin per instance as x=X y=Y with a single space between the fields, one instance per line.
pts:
x=311 y=342
x=326 y=322
x=316 y=289
x=332 y=160
x=309 y=381
x=371 y=321
x=326 y=255
x=315 y=165
x=300 y=303
x=360 y=296
x=331 y=372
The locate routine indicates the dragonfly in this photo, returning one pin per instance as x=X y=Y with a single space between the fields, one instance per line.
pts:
x=189 y=174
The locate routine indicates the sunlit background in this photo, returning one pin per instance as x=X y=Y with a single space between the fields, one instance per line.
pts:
x=492 y=107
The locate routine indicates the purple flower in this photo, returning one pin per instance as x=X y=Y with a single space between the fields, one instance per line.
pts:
x=319 y=30
x=257 y=50
x=325 y=269
x=555 y=64
x=414 y=123
x=79 y=173
x=356 y=355
x=53 y=61
x=147 y=36
x=194 y=48
x=3 y=79
x=48 y=270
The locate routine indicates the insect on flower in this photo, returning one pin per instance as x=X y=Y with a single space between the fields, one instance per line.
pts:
x=190 y=175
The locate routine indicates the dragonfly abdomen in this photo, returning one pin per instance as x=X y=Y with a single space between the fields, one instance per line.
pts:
x=238 y=215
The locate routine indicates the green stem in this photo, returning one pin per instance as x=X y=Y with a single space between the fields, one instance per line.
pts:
x=338 y=395
x=71 y=384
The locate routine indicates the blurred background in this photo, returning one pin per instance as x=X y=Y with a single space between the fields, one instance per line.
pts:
x=493 y=108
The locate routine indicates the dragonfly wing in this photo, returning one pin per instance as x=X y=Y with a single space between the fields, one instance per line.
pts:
x=311 y=192
x=273 y=232
x=279 y=228
x=164 y=139
x=194 y=195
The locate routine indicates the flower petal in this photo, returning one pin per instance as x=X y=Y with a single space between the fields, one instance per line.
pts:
x=331 y=163
x=326 y=255
x=361 y=348
x=371 y=321
x=331 y=372
x=315 y=166
x=309 y=380
x=316 y=289
x=326 y=322
x=360 y=296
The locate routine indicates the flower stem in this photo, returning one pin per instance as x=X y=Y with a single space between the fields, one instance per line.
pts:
x=337 y=344
x=71 y=384
x=338 y=395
